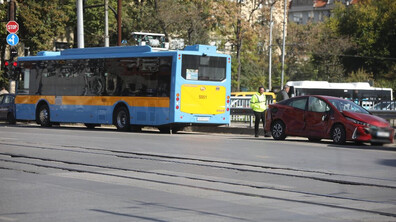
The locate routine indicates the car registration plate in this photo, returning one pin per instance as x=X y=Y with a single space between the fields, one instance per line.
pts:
x=383 y=134
x=203 y=118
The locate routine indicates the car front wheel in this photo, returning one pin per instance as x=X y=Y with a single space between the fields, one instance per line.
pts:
x=278 y=130
x=338 y=134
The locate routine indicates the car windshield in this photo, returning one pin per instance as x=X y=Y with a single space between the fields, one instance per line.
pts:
x=346 y=105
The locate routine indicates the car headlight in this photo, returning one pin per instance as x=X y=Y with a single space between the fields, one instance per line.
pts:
x=358 y=122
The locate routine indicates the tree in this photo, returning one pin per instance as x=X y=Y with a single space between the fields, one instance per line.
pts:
x=237 y=27
x=3 y=35
x=371 y=25
x=42 y=21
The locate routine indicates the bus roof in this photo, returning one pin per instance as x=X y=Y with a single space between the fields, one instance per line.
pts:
x=328 y=85
x=113 y=52
x=147 y=33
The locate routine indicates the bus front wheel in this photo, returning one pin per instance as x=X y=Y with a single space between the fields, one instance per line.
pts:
x=121 y=120
x=44 y=116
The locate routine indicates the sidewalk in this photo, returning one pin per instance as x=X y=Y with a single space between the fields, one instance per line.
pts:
x=234 y=128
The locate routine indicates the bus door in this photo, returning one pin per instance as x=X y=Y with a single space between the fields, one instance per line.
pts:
x=317 y=117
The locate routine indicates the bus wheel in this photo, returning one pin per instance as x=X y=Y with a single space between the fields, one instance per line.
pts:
x=338 y=134
x=44 y=116
x=278 y=130
x=122 y=119
x=11 y=118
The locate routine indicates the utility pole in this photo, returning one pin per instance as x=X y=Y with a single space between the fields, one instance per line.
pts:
x=283 y=44
x=119 y=7
x=270 y=47
x=11 y=10
x=80 y=24
x=106 y=37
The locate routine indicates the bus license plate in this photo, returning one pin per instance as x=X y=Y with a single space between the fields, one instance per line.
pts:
x=203 y=119
x=383 y=134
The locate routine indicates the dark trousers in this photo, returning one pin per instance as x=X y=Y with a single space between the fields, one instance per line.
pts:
x=258 y=116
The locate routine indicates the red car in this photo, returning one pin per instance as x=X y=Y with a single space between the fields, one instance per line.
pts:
x=326 y=117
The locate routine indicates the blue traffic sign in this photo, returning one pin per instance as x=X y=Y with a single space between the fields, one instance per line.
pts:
x=12 y=39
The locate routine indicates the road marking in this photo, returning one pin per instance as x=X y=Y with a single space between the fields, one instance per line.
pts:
x=7 y=218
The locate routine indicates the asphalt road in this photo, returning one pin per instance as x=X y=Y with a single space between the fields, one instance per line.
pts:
x=75 y=174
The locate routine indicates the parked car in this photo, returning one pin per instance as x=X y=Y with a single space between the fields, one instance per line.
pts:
x=325 y=117
x=7 y=108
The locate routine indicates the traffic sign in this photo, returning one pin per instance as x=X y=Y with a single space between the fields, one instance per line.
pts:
x=12 y=39
x=12 y=27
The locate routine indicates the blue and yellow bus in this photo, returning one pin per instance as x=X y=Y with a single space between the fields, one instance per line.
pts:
x=131 y=86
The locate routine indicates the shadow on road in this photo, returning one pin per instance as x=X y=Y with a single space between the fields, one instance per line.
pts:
x=388 y=162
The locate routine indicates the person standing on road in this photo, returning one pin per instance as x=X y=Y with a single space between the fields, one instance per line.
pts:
x=283 y=94
x=259 y=105
x=3 y=91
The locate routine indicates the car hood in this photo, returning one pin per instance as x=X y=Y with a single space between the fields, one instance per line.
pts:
x=367 y=118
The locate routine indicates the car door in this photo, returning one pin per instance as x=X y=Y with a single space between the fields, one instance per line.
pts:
x=317 y=118
x=294 y=116
x=3 y=109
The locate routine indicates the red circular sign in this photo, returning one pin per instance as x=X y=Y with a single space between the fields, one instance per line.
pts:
x=12 y=27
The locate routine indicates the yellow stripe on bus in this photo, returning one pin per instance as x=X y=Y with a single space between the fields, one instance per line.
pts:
x=23 y=99
x=98 y=100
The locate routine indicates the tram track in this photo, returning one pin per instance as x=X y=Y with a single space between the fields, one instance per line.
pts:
x=212 y=163
x=237 y=188
x=247 y=194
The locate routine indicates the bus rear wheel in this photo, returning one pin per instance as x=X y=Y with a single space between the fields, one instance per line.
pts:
x=44 y=116
x=121 y=120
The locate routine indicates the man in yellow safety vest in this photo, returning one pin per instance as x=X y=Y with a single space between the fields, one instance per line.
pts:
x=259 y=105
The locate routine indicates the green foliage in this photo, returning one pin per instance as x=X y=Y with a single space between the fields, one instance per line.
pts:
x=159 y=16
x=356 y=44
x=41 y=22
x=371 y=25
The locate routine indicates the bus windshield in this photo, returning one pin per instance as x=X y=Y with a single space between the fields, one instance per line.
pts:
x=346 y=105
x=205 y=68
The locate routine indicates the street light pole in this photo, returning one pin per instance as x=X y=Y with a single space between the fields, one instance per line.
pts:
x=284 y=43
x=119 y=12
x=270 y=48
x=106 y=34
x=80 y=24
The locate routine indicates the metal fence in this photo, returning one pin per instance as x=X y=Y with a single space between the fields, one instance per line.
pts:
x=241 y=111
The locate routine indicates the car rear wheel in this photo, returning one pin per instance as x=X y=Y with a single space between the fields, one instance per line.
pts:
x=278 y=130
x=338 y=134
